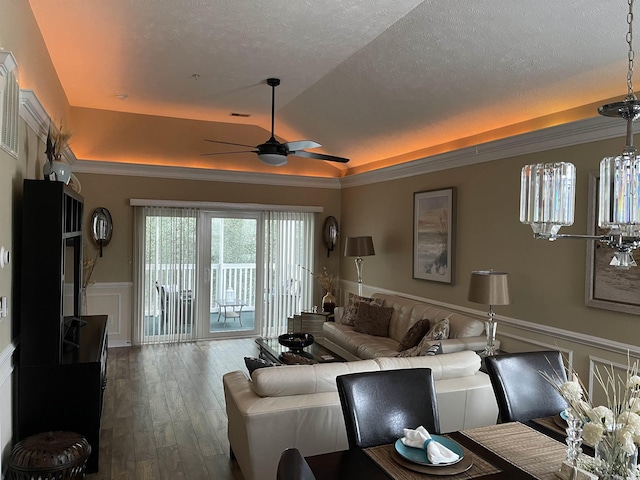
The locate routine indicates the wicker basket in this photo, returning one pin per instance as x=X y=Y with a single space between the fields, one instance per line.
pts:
x=49 y=456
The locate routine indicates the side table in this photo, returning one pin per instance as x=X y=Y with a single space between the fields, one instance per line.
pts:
x=309 y=322
x=483 y=365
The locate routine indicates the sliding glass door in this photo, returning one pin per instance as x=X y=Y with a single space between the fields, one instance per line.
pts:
x=231 y=274
x=213 y=273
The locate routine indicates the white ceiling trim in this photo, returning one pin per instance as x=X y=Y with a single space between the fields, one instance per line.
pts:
x=36 y=117
x=575 y=133
x=583 y=131
x=7 y=63
x=33 y=113
x=183 y=173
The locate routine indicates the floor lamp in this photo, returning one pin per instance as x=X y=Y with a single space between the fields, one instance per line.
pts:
x=489 y=288
x=359 y=247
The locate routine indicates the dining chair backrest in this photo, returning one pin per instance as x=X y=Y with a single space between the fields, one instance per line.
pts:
x=521 y=391
x=377 y=406
x=293 y=466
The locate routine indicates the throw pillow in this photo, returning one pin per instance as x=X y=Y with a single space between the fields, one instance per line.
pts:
x=351 y=310
x=409 y=352
x=423 y=348
x=440 y=331
x=414 y=334
x=435 y=349
x=253 y=363
x=373 y=320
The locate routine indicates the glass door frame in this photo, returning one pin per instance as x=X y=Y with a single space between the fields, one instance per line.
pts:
x=204 y=274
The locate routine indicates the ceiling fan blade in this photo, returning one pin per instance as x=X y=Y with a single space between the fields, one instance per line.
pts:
x=319 y=156
x=301 y=145
x=228 y=153
x=229 y=143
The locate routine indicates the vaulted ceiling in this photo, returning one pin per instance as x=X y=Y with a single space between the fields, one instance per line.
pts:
x=376 y=81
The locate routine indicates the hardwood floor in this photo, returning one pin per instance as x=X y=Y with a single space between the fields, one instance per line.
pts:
x=164 y=414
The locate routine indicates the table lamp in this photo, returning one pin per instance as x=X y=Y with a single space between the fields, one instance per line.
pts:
x=359 y=247
x=490 y=288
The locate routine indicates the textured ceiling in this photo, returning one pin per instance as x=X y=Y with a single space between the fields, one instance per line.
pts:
x=368 y=79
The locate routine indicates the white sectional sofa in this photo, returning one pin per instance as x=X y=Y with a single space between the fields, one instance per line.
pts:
x=298 y=405
x=466 y=333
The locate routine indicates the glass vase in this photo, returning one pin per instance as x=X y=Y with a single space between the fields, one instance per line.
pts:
x=574 y=436
x=615 y=463
x=328 y=303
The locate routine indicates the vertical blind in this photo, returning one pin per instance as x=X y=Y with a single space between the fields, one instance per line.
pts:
x=166 y=274
x=289 y=246
x=165 y=277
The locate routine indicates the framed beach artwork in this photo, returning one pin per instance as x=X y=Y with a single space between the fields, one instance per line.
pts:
x=606 y=286
x=433 y=234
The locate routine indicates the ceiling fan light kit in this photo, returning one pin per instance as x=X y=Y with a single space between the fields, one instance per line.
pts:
x=273 y=152
x=273 y=159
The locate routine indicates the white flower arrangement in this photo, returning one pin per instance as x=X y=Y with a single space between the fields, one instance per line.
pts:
x=613 y=429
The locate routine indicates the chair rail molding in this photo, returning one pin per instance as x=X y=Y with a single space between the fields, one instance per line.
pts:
x=604 y=344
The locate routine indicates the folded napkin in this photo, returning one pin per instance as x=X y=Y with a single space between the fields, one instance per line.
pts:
x=436 y=452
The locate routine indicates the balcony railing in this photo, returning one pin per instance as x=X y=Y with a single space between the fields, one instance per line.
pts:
x=241 y=277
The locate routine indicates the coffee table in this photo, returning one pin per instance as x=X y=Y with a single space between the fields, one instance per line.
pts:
x=271 y=350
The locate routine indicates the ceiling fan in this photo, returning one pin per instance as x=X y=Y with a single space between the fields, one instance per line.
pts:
x=275 y=153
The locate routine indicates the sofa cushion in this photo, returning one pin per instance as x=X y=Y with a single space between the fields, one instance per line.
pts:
x=451 y=365
x=460 y=326
x=305 y=379
x=414 y=334
x=351 y=310
x=372 y=319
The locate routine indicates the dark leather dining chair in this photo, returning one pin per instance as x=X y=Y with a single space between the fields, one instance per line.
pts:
x=521 y=391
x=293 y=466
x=378 y=405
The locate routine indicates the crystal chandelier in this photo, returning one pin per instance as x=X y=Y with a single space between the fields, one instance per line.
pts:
x=547 y=190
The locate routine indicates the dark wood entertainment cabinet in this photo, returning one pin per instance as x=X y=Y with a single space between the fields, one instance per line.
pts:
x=62 y=364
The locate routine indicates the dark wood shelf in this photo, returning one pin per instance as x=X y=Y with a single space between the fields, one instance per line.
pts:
x=62 y=371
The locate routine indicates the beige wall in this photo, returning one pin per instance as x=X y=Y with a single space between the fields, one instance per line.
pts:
x=20 y=36
x=547 y=278
x=114 y=193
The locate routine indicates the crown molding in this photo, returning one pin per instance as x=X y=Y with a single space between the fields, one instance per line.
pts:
x=183 y=173
x=7 y=63
x=33 y=113
x=37 y=118
x=575 y=133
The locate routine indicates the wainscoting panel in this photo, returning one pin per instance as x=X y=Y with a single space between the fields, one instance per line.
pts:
x=6 y=402
x=114 y=300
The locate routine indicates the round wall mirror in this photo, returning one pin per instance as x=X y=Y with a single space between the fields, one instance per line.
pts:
x=101 y=227
x=330 y=233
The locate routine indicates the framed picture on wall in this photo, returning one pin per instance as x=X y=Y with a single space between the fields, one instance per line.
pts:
x=606 y=286
x=433 y=234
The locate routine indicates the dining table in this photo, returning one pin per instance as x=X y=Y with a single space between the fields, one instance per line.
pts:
x=505 y=451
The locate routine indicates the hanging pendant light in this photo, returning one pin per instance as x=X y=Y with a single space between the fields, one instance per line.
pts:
x=547 y=191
